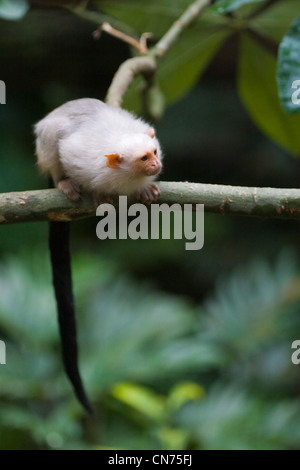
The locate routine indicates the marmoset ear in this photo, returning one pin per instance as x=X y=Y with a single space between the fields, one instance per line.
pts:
x=113 y=160
x=151 y=132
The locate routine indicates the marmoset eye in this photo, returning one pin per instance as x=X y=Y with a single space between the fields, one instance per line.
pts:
x=144 y=158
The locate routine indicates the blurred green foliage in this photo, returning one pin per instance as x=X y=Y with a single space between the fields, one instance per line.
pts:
x=162 y=373
x=178 y=350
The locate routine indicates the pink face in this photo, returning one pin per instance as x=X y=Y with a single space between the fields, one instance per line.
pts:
x=148 y=164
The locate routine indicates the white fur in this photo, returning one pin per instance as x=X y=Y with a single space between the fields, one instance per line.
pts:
x=72 y=142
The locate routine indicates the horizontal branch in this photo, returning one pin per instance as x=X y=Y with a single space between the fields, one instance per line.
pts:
x=51 y=204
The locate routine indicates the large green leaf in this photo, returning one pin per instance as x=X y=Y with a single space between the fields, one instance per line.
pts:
x=288 y=73
x=13 y=9
x=225 y=6
x=155 y=16
x=183 y=65
x=275 y=21
x=258 y=91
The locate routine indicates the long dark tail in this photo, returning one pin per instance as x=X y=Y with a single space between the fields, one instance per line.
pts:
x=59 y=236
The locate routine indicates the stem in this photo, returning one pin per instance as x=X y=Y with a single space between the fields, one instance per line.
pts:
x=125 y=74
x=185 y=20
x=140 y=45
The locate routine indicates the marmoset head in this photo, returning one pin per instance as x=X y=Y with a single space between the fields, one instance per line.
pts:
x=138 y=154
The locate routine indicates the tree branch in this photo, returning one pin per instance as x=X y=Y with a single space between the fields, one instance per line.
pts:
x=51 y=204
x=129 y=69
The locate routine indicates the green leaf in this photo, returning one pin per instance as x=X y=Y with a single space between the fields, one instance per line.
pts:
x=141 y=399
x=288 y=73
x=225 y=6
x=155 y=16
x=13 y=9
x=187 y=60
x=258 y=91
x=275 y=21
x=183 y=392
x=182 y=66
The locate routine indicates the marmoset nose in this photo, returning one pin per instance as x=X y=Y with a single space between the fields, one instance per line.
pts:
x=156 y=166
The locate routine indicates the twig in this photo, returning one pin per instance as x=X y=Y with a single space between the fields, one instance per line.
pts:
x=185 y=20
x=140 y=45
x=51 y=204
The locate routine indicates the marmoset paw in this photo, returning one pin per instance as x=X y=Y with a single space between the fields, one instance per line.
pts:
x=149 y=194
